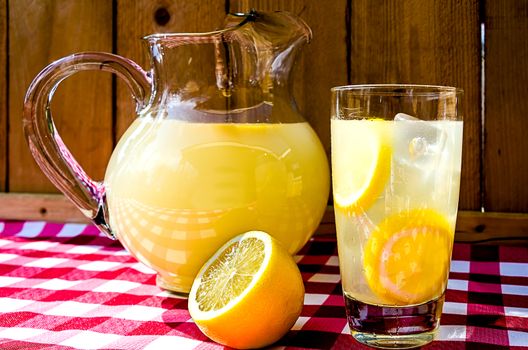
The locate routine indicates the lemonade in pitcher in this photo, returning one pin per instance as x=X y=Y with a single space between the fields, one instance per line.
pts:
x=178 y=190
x=218 y=147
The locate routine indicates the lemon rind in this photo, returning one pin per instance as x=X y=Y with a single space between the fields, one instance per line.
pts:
x=208 y=315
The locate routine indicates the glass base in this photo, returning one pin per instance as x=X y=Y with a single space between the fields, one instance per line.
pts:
x=394 y=327
x=409 y=341
x=172 y=286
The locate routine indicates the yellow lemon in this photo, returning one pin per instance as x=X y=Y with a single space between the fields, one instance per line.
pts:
x=248 y=294
x=406 y=259
x=361 y=161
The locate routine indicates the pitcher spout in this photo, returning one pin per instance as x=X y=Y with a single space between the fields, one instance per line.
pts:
x=240 y=72
x=280 y=28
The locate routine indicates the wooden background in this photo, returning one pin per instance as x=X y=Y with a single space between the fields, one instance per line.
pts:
x=479 y=46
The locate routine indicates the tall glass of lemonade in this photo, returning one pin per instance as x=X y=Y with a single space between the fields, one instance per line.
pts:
x=396 y=159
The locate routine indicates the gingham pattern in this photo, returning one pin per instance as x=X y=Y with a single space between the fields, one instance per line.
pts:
x=67 y=287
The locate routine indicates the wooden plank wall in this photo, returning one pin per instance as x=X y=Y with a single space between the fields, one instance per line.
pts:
x=505 y=165
x=82 y=106
x=354 y=41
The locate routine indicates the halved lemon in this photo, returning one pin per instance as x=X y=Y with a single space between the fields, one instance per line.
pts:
x=361 y=161
x=406 y=259
x=248 y=294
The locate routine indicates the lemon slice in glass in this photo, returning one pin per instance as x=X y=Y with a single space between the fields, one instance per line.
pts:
x=361 y=161
x=406 y=259
x=248 y=294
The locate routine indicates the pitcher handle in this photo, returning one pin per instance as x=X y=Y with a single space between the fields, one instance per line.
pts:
x=45 y=143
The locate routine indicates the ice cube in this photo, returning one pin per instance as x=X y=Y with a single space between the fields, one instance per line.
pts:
x=418 y=143
x=418 y=152
x=418 y=162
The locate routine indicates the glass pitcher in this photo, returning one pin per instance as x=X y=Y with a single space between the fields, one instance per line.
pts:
x=218 y=146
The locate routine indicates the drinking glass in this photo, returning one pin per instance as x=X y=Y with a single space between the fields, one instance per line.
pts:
x=396 y=159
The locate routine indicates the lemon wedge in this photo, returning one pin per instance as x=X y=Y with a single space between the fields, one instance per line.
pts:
x=248 y=294
x=361 y=161
x=406 y=259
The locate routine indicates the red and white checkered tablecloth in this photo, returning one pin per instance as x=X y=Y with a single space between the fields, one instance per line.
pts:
x=64 y=286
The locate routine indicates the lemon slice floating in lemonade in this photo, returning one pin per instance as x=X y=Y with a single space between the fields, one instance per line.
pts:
x=361 y=156
x=249 y=294
x=406 y=259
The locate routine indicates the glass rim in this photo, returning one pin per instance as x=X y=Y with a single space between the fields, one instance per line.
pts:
x=244 y=19
x=393 y=90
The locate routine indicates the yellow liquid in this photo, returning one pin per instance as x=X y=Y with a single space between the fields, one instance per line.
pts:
x=179 y=190
x=423 y=176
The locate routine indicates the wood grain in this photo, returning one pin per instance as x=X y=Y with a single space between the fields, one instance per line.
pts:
x=478 y=227
x=322 y=63
x=40 y=32
x=138 y=18
x=506 y=106
x=31 y=206
x=424 y=42
x=3 y=96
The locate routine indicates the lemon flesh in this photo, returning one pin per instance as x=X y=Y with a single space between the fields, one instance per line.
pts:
x=406 y=259
x=230 y=274
x=361 y=160
x=248 y=294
